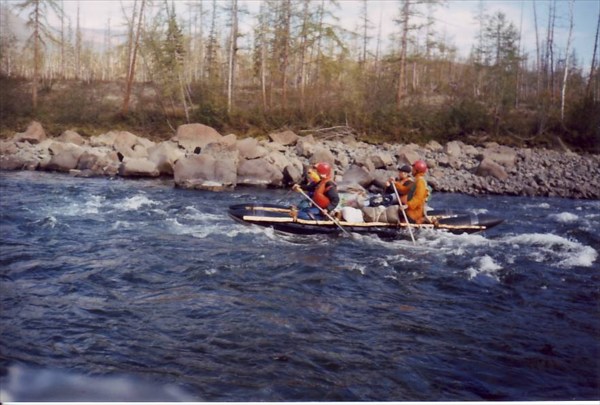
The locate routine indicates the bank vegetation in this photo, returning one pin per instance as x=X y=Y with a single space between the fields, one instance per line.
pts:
x=297 y=68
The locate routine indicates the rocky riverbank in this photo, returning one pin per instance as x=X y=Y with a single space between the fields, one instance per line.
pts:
x=199 y=157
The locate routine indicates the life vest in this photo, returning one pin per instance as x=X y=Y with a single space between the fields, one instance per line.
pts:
x=413 y=188
x=417 y=201
x=403 y=187
x=319 y=196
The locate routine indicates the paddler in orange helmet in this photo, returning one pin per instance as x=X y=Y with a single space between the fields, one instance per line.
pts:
x=323 y=193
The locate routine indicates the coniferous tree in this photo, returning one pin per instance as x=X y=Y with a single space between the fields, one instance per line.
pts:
x=38 y=23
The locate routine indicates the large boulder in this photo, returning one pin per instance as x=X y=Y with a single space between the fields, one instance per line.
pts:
x=138 y=167
x=305 y=146
x=70 y=136
x=130 y=145
x=107 y=139
x=192 y=136
x=164 y=155
x=8 y=148
x=33 y=134
x=291 y=175
x=101 y=162
x=284 y=138
x=488 y=167
x=280 y=161
x=502 y=155
x=382 y=160
x=64 y=157
x=357 y=175
x=250 y=149
x=407 y=154
x=434 y=146
x=322 y=154
x=205 y=172
x=259 y=172
x=26 y=156
x=453 y=149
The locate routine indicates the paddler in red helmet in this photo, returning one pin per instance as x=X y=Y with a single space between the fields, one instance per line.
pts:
x=418 y=193
x=323 y=193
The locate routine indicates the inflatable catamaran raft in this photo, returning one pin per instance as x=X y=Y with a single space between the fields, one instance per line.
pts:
x=284 y=218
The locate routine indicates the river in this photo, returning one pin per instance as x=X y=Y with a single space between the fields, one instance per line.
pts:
x=129 y=290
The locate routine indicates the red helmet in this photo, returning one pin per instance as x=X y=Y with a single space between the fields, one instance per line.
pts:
x=324 y=169
x=420 y=166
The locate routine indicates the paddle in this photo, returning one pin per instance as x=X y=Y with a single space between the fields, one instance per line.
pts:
x=322 y=210
x=403 y=212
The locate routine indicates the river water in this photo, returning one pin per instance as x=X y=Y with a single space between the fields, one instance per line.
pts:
x=127 y=290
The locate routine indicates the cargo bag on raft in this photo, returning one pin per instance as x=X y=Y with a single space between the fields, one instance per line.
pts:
x=389 y=214
x=351 y=214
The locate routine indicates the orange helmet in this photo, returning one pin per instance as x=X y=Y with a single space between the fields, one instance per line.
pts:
x=324 y=170
x=420 y=166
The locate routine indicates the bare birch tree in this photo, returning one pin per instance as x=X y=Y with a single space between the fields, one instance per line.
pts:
x=233 y=48
x=566 y=72
x=594 y=58
x=131 y=68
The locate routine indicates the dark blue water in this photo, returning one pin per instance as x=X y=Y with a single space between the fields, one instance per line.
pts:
x=134 y=290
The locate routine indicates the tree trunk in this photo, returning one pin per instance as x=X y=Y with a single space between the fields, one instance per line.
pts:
x=78 y=46
x=566 y=73
x=232 y=53
x=537 y=52
x=588 y=87
x=285 y=49
x=131 y=71
x=303 y=45
x=36 y=56
x=403 y=50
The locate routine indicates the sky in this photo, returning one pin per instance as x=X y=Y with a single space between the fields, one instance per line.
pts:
x=455 y=20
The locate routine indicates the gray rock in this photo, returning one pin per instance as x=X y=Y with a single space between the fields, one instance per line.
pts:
x=138 y=167
x=205 y=172
x=33 y=134
x=357 y=175
x=64 y=157
x=284 y=138
x=488 y=167
x=164 y=155
x=259 y=172
x=250 y=149
x=192 y=136
x=453 y=148
x=69 y=136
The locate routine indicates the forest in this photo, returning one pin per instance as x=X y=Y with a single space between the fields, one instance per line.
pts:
x=297 y=68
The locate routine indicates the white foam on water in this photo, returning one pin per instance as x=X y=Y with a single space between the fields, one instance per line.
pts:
x=564 y=217
x=121 y=225
x=240 y=229
x=89 y=207
x=136 y=202
x=480 y=211
x=540 y=205
x=585 y=258
x=456 y=244
x=197 y=231
x=484 y=265
x=554 y=249
x=357 y=267
x=48 y=222
x=204 y=217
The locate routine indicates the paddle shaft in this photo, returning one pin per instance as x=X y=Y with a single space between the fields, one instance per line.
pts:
x=323 y=211
x=403 y=212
